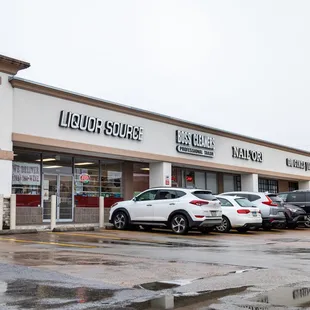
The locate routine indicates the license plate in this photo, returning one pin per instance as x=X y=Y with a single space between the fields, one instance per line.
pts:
x=213 y=213
x=281 y=213
x=254 y=213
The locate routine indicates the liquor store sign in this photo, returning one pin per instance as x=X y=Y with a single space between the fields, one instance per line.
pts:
x=98 y=126
x=195 y=144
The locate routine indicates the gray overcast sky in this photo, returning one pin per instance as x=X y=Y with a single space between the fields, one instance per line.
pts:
x=239 y=65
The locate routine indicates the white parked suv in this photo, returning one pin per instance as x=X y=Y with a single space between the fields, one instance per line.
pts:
x=238 y=213
x=273 y=215
x=177 y=208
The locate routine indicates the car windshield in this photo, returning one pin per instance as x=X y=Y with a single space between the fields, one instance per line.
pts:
x=243 y=202
x=205 y=195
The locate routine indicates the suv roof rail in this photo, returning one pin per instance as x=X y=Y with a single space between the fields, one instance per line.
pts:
x=301 y=190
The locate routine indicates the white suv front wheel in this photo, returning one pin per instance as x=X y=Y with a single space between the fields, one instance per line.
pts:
x=120 y=220
x=179 y=224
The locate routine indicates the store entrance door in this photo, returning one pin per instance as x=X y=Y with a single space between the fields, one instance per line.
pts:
x=61 y=186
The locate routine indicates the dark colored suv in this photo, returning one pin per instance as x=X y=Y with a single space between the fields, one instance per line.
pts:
x=295 y=216
x=299 y=198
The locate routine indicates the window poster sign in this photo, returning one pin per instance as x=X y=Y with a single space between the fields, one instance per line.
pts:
x=26 y=174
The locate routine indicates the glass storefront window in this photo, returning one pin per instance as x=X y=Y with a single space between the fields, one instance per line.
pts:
x=26 y=178
x=177 y=177
x=194 y=179
x=57 y=163
x=111 y=179
x=86 y=182
x=292 y=186
x=231 y=182
x=141 y=177
x=211 y=182
x=268 y=185
x=57 y=180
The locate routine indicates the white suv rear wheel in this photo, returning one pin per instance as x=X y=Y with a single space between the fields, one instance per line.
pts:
x=179 y=224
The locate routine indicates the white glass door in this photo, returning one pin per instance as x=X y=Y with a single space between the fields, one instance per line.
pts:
x=61 y=186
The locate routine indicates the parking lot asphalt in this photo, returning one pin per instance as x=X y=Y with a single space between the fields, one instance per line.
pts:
x=111 y=269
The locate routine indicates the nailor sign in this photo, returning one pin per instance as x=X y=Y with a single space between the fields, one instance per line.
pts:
x=96 y=125
x=246 y=154
x=195 y=144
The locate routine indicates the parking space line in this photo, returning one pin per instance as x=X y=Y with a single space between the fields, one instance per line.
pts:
x=48 y=243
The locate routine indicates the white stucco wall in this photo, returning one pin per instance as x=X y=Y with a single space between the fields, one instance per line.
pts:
x=38 y=115
x=6 y=113
x=6 y=127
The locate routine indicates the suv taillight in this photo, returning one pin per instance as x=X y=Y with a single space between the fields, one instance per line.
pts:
x=243 y=211
x=269 y=202
x=199 y=202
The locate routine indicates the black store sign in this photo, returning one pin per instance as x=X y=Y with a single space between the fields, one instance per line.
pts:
x=195 y=144
x=246 y=154
x=300 y=164
x=96 y=125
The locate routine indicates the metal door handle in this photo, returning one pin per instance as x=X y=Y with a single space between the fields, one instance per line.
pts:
x=148 y=205
x=172 y=204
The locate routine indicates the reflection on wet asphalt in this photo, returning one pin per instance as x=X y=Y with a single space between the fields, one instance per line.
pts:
x=220 y=271
x=26 y=294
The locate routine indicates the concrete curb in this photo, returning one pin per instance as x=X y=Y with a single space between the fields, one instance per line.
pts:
x=64 y=229
x=18 y=231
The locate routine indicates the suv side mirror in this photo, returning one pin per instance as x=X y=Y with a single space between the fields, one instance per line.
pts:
x=134 y=199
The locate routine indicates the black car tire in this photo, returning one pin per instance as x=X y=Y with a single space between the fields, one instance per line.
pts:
x=267 y=227
x=242 y=230
x=179 y=224
x=225 y=226
x=307 y=223
x=120 y=220
x=292 y=226
x=147 y=228
x=205 y=230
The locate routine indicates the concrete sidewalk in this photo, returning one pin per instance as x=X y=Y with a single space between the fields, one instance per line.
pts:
x=27 y=229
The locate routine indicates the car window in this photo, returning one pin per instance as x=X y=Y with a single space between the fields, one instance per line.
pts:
x=307 y=197
x=253 y=197
x=244 y=202
x=225 y=202
x=166 y=194
x=205 y=195
x=239 y=194
x=283 y=196
x=296 y=197
x=148 y=195
x=180 y=193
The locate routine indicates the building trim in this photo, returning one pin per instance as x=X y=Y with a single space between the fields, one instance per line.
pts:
x=66 y=95
x=11 y=65
x=70 y=147
x=6 y=155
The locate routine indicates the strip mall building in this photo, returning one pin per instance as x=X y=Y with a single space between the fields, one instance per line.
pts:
x=55 y=142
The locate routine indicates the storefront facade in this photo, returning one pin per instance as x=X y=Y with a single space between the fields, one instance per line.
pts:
x=80 y=148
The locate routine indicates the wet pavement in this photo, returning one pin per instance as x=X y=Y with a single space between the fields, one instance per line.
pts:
x=158 y=270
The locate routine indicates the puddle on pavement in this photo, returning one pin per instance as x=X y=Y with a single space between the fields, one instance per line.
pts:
x=157 y=286
x=189 y=301
x=60 y=258
x=287 y=296
x=26 y=294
